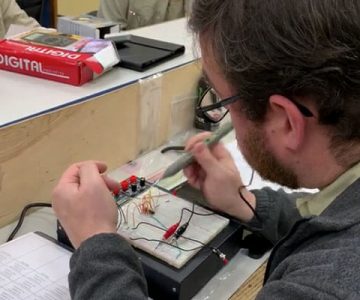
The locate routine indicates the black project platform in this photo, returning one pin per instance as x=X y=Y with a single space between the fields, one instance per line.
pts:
x=166 y=279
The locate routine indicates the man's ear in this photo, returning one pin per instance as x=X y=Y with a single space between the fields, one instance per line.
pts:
x=287 y=121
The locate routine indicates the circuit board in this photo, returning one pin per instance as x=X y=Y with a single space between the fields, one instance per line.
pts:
x=148 y=212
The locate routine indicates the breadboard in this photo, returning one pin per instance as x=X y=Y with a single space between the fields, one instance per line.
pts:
x=167 y=211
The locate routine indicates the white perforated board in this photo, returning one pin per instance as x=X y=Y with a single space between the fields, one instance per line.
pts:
x=167 y=213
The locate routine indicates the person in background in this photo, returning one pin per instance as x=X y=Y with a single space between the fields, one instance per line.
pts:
x=11 y=13
x=137 y=13
x=288 y=71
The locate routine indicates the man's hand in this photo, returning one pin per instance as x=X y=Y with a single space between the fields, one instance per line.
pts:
x=215 y=173
x=83 y=202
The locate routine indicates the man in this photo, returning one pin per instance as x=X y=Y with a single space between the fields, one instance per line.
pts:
x=138 y=13
x=292 y=71
x=11 y=13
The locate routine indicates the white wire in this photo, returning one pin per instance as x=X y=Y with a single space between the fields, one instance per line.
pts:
x=119 y=219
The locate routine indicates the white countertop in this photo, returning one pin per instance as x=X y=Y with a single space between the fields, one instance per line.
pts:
x=24 y=97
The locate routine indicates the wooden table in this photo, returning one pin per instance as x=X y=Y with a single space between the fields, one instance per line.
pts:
x=252 y=286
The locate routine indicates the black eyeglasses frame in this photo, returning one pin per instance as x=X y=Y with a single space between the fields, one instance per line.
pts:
x=201 y=111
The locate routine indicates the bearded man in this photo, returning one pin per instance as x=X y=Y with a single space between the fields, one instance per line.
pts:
x=288 y=71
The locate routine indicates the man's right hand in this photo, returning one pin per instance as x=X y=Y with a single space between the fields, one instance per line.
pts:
x=83 y=202
x=216 y=175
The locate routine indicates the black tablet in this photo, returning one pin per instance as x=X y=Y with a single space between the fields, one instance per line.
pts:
x=139 y=53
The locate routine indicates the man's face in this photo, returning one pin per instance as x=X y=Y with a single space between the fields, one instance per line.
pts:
x=261 y=159
x=251 y=136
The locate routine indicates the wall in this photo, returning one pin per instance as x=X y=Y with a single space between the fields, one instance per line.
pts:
x=74 y=8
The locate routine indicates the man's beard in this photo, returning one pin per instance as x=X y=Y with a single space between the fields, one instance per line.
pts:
x=264 y=162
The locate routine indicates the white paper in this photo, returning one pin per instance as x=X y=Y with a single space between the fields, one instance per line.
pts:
x=33 y=267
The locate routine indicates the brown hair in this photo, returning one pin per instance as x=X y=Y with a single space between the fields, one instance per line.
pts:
x=295 y=48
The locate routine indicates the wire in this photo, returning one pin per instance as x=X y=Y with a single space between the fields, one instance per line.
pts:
x=123 y=215
x=119 y=219
x=149 y=224
x=158 y=221
x=247 y=202
x=164 y=229
x=181 y=230
x=172 y=148
x=214 y=250
x=195 y=241
x=251 y=179
x=193 y=212
x=166 y=243
x=22 y=216
x=249 y=205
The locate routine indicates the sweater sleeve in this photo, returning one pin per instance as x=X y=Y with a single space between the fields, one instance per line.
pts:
x=13 y=14
x=106 y=267
x=277 y=213
x=115 y=10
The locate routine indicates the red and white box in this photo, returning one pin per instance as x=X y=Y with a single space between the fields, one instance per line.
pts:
x=51 y=55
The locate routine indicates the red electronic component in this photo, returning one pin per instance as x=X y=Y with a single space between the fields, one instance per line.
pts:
x=116 y=191
x=133 y=179
x=221 y=255
x=124 y=185
x=225 y=261
x=171 y=230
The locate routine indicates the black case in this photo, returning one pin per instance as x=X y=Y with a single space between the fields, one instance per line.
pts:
x=139 y=53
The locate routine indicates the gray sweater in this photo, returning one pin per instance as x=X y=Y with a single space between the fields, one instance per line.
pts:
x=106 y=267
x=319 y=258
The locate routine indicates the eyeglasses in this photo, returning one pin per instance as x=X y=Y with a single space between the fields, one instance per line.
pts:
x=212 y=108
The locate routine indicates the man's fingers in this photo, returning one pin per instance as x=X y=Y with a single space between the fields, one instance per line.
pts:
x=110 y=183
x=205 y=158
x=72 y=173
x=90 y=172
x=196 y=139
x=220 y=151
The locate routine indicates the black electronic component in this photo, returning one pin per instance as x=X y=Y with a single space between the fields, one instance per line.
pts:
x=134 y=187
x=142 y=182
x=181 y=230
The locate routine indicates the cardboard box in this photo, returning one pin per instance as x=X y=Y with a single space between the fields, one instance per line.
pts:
x=87 y=25
x=64 y=58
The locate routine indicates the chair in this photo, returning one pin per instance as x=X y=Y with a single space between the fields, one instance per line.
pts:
x=44 y=11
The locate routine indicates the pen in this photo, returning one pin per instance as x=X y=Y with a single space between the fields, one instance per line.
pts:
x=187 y=159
